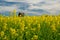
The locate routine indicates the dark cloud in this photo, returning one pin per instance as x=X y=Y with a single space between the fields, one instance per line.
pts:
x=20 y=5
x=12 y=3
x=39 y=10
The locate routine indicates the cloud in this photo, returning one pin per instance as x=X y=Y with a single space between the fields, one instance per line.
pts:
x=14 y=0
x=8 y=8
x=28 y=1
x=33 y=1
x=31 y=6
x=50 y=6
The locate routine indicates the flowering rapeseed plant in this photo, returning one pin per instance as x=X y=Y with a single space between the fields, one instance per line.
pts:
x=30 y=28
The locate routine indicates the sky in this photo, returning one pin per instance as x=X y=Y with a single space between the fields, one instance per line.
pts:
x=31 y=7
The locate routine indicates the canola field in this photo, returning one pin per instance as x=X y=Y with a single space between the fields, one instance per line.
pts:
x=30 y=28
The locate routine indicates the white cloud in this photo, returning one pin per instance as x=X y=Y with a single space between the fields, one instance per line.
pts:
x=34 y=1
x=15 y=0
x=51 y=6
x=28 y=1
x=47 y=7
x=8 y=8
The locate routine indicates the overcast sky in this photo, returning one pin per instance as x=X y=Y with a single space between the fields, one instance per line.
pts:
x=35 y=7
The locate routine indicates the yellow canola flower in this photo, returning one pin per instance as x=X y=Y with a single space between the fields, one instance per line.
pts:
x=43 y=18
x=58 y=22
x=35 y=37
x=38 y=27
x=53 y=27
x=34 y=18
x=1 y=19
x=22 y=26
x=33 y=29
x=13 y=31
x=5 y=26
x=2 y=33
x=55 y=18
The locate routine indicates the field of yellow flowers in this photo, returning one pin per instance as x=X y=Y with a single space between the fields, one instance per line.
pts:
x=30 y=28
